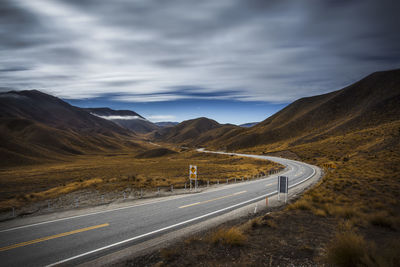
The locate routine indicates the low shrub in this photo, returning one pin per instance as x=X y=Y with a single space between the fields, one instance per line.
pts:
x=382 y=220
x=348 y=249
x=230 y=237
x=300 y=204
x=319 y=212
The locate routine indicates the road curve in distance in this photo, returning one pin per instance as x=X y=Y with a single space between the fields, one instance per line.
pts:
x=73 y=240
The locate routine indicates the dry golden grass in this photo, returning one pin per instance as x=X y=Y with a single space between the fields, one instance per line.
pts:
x=109 y=172
x=367 y=175
x=363 y=190
x=347 y=249
x=350 y=248
x=301 y=204
x=228 y=237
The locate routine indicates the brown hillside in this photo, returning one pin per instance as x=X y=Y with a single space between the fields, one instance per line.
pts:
x=350 y=218
x=52 y=111
x=36 y=128
x=188 y=132
x=371 y=101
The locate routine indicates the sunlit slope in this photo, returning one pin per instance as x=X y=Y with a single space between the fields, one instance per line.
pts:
x=372 y=101
x=36 y=127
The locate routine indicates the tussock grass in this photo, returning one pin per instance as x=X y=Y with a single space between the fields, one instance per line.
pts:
x=301 y=204
x=228 y=237
x=382 y=219
x=348 y=249
x=113 y=172
x=363 y=189
x=65 y=189
x=387 y=256
x=271 y=223
x=351 y=249
x=251 y=224
x=319 y=212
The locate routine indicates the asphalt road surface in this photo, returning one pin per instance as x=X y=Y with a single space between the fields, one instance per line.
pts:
x=74 y=240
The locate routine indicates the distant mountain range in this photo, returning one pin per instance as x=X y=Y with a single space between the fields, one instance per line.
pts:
x=125 y=118
x=371 y=101
x=36 y=127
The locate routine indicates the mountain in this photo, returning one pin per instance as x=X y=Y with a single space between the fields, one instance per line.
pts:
x=36 y=127
x=371 y=101
x=248 y=125
x=49 y=110
x=163 y=124
x=193 y=132
x=125 y=118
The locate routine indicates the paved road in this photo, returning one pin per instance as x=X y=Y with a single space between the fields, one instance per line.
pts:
x=78 y=239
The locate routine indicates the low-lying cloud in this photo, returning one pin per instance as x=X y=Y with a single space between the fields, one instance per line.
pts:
x=115 y=117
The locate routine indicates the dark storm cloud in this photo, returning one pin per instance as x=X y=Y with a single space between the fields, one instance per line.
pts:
x=12 y=69
x=177 y=92
x=276 y=50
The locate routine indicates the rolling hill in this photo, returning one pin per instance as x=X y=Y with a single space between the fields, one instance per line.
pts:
x=125 y=118
x=354 y=135
x=371 y=101
x=36 y=127
x=194 y=132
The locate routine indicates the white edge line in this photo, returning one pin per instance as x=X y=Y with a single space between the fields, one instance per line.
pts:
x=171 y=226
x=105 y=211
x=160 y=230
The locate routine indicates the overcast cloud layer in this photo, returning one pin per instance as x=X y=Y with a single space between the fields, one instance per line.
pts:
x=274 y=51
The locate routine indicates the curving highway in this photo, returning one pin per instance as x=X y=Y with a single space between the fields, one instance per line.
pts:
x=73 y=240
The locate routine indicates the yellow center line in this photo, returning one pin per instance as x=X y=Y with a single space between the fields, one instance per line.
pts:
x=218 y=198
x=52 y=237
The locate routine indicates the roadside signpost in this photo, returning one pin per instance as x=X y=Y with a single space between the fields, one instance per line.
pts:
x=283 y=186
x=193 y=176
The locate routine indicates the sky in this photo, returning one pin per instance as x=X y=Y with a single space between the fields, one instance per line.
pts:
x=234 y=61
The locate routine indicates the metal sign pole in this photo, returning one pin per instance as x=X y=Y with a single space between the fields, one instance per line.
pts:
x=190 y=177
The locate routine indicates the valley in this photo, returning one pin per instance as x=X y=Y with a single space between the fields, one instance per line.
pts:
x=352 y=134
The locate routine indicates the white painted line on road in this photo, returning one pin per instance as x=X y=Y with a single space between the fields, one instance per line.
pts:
x=304 y=179
x=116 y=209
x=159 y=230
x=172 y=226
